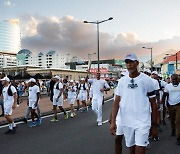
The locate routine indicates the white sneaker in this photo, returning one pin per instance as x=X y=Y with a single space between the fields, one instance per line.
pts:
x=72 y=115
x=99 y=124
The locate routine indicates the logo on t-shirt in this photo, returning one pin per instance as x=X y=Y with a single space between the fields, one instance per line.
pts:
x=132 y=85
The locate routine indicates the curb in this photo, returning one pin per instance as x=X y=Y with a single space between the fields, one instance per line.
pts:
x=4 y=122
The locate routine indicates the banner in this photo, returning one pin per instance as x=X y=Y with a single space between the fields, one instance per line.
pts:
x=102 y=70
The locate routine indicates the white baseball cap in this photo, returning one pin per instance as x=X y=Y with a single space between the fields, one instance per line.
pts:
x=5 y=79
x=155 y=72
x=160 y=75
x=32 y=80
x=71 y=81
x=57 y=77
x=148 y=71
x=131 y=56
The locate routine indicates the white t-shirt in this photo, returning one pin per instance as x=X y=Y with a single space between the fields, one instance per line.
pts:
x=71 y=94
x=174 y=93
x=57 y=89
x=33 y=93
x=8 y=100
x=81 y=87
x=134 y=105
x=155 y=84
x=97 y=86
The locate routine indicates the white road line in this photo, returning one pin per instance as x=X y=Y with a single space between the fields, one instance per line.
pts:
x=47 y=116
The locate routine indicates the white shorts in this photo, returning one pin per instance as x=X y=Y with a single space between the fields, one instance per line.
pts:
x=136 y=136
x=8 y=109
x=82 y=97
x=71 y=100
x=59 y=103
x=119 y=129
x=32 y=105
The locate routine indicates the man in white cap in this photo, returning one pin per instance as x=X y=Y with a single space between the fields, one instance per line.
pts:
x=133 y=94
x=99 y=86
x=172 y=93
x=58 y=98
x=71 y=96
x=10 y=102
x=33 y=101
x=83 y=94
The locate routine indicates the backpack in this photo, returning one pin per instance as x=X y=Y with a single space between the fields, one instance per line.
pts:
x=84 y=87
x=57 y=86
x=9 y=91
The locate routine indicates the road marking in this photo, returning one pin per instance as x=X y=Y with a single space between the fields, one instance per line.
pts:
x=47 y=116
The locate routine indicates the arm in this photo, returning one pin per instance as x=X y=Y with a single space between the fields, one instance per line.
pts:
x=15 y=100
x=165 y=94
x=114 y=112
x=38 y=97
x=154 y=116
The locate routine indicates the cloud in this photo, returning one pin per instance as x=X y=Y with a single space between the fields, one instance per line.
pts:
x=8 y=3
x=69 y=35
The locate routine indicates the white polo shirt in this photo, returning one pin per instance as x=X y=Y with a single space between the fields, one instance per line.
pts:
x=33 y=93
x=134 y=104
x=174 y=93
x=8 y=100
x=57 y=88
x=71 y=94
x=97 y=86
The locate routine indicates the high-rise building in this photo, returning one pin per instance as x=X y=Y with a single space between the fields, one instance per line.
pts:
x=10 y=37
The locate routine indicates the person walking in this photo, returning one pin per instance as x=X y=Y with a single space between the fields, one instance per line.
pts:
x=134 y=96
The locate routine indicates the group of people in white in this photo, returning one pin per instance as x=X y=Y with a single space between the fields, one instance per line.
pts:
x=79 y=91
x=142 y=100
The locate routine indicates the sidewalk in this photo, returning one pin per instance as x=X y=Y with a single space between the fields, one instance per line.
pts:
x=45 y=107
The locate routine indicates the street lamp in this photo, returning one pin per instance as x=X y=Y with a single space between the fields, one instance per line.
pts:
x=151 y=57
x=176 y=59
x=97 y=23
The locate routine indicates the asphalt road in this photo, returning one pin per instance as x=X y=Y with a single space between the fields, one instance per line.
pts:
x=79 y=135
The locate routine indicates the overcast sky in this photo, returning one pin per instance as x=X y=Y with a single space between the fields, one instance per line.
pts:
x=58 y=25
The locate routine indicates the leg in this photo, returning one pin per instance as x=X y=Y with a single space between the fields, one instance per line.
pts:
x=28 y=110
x=62 y=110
x=118 y=144
x=172 y=114
x=38 y=112
x=55 y=111
x=132 y=150
x=178 y=121
x=140 y=150
x=94 y=107
x=78 y=104
x=99 y=105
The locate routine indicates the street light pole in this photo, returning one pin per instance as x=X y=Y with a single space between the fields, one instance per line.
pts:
x=97 y=23
x=98 y=46
x=151 y=57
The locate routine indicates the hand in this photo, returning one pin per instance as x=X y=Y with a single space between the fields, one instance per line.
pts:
x=102 y=90
x=154 y=131
x=113 y=128
x=14 y=106
x=57 y=99
x=35 y=105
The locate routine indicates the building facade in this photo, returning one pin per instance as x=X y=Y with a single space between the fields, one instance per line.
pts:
x=51 y=59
